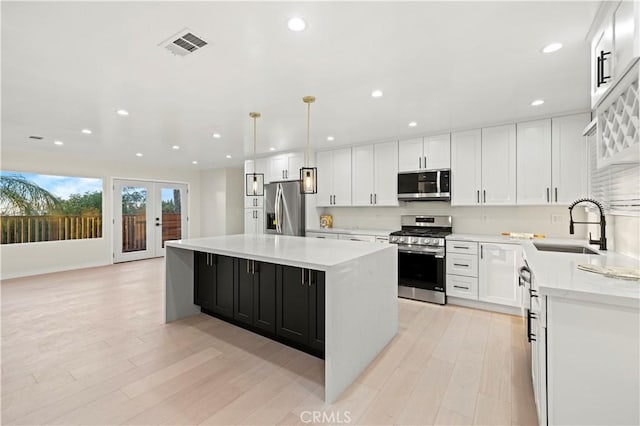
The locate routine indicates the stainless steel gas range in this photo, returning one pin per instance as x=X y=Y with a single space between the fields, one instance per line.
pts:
x=421 y=257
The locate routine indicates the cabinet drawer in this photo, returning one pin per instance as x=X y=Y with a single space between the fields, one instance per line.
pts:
x=251 y=202
x=462 y=247
x=354 y=237
x=462 y=264
x=324 y=235
x=461 y=286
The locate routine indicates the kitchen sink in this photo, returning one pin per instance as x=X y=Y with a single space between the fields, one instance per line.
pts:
x=564 y=248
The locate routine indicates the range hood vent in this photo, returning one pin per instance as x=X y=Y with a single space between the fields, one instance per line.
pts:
x=183 y=43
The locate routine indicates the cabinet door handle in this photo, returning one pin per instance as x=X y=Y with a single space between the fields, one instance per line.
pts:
x=532 y=337
x=370 y=198
x=459 y=286
x=334 y=200
x=461 y=247
x=309 y=277
x=425 y=161
x=478 y=195
x=481 y=251
x=247 y=260
x=419 y=162
x=548 y=200
x=302 y=275
x=484 y=195
x=461 y=264
x=375 y=198
x=556 y=193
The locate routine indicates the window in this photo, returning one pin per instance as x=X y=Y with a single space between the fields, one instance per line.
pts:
x=35 y=207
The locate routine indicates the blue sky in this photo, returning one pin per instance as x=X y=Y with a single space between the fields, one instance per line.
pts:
x=61 y=186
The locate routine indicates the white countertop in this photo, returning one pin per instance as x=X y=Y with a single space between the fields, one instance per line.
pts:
x=557 y=274
x=303 y=252
x=354 y=231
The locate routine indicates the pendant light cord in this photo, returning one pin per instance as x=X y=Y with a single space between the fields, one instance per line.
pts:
x=306 y=157
x=254 y=144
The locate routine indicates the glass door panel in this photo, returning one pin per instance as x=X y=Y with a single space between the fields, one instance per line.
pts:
x=146 y=215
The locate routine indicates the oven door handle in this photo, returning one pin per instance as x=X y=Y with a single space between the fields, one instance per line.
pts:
x=437 y=253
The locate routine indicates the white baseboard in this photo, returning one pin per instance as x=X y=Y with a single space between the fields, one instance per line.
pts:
x=43 y=271
x=476 y=304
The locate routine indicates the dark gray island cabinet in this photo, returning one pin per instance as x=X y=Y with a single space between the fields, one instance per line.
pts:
x=334 y=299
x=282 y=302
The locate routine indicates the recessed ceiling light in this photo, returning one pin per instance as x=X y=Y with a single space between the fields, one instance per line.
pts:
x=330 y=138
x=296 y=24
x=537 y=102
x=138 y=154
x=86 y=131
x=553 y=47
x=194 y=162
x=58 y=143
x=413 y=124
x=376 y=93
x=175 y=147
x=272 y=149
x=228 y=156
x=122 y=112
x=216 y=135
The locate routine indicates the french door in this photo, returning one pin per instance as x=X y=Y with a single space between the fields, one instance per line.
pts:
x=146 y=214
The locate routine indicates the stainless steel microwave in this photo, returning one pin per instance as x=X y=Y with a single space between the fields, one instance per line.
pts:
x=428 y=185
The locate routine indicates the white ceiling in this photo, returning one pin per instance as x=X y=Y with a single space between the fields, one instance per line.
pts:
x=446 y=65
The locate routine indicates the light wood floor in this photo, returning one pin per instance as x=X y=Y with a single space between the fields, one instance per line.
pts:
x=90 y=347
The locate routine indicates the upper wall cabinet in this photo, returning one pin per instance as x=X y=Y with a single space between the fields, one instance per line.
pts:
x=499 y=165
x=285 y=167
x=334 y=177
x=430 y=153
x=374 y=174
x=466 y=172
x=614 y=45
x=534 y=162
x=569 y=158
x=552 y=160
x=483 y=166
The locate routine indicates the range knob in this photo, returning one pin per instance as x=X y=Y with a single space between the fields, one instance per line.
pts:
x=413 y=240
x=424 y=241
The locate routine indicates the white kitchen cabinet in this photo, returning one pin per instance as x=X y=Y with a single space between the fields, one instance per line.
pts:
x=322 y=235
x=374 y=173
x=569 y=158
x=592 y=353
x=429 y=153
x=498 y=273
x=285 y=167
x=334 y=178
x=498 y=165
x=466 y=173
x=253 y=202
x=253 y=221
x=625 y=32
x=462 y=269
x=533 y=165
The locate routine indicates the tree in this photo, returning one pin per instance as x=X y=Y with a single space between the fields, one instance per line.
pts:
x=87 y=204
x=18 y=196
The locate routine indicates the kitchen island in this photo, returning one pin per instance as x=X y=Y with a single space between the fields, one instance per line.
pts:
x=356 y=283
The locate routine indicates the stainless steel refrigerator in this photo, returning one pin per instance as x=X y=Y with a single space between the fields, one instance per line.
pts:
x=284 y=209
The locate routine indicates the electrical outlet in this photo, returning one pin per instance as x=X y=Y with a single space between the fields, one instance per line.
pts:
x=557 y=218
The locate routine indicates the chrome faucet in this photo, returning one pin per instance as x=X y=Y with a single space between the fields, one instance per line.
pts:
x=603 y=233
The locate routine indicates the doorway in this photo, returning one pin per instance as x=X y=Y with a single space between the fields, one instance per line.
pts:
x=146 y=214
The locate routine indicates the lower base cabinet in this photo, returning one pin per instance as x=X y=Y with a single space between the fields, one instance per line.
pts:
x=300 y=306
x=213 y=283
x=283 y=302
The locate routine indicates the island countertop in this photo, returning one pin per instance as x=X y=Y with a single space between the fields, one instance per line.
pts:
x=283 y=249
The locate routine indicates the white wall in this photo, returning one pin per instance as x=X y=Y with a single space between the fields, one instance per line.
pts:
x=549 y=221
x=37 y=258
x=221 y=192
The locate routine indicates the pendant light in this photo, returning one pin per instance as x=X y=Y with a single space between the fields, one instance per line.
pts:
x=308 y=175
x=255 y=181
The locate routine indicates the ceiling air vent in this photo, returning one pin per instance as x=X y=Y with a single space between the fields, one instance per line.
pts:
x=183 y=43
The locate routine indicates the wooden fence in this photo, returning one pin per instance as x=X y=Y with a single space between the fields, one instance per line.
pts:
x=29 y=229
